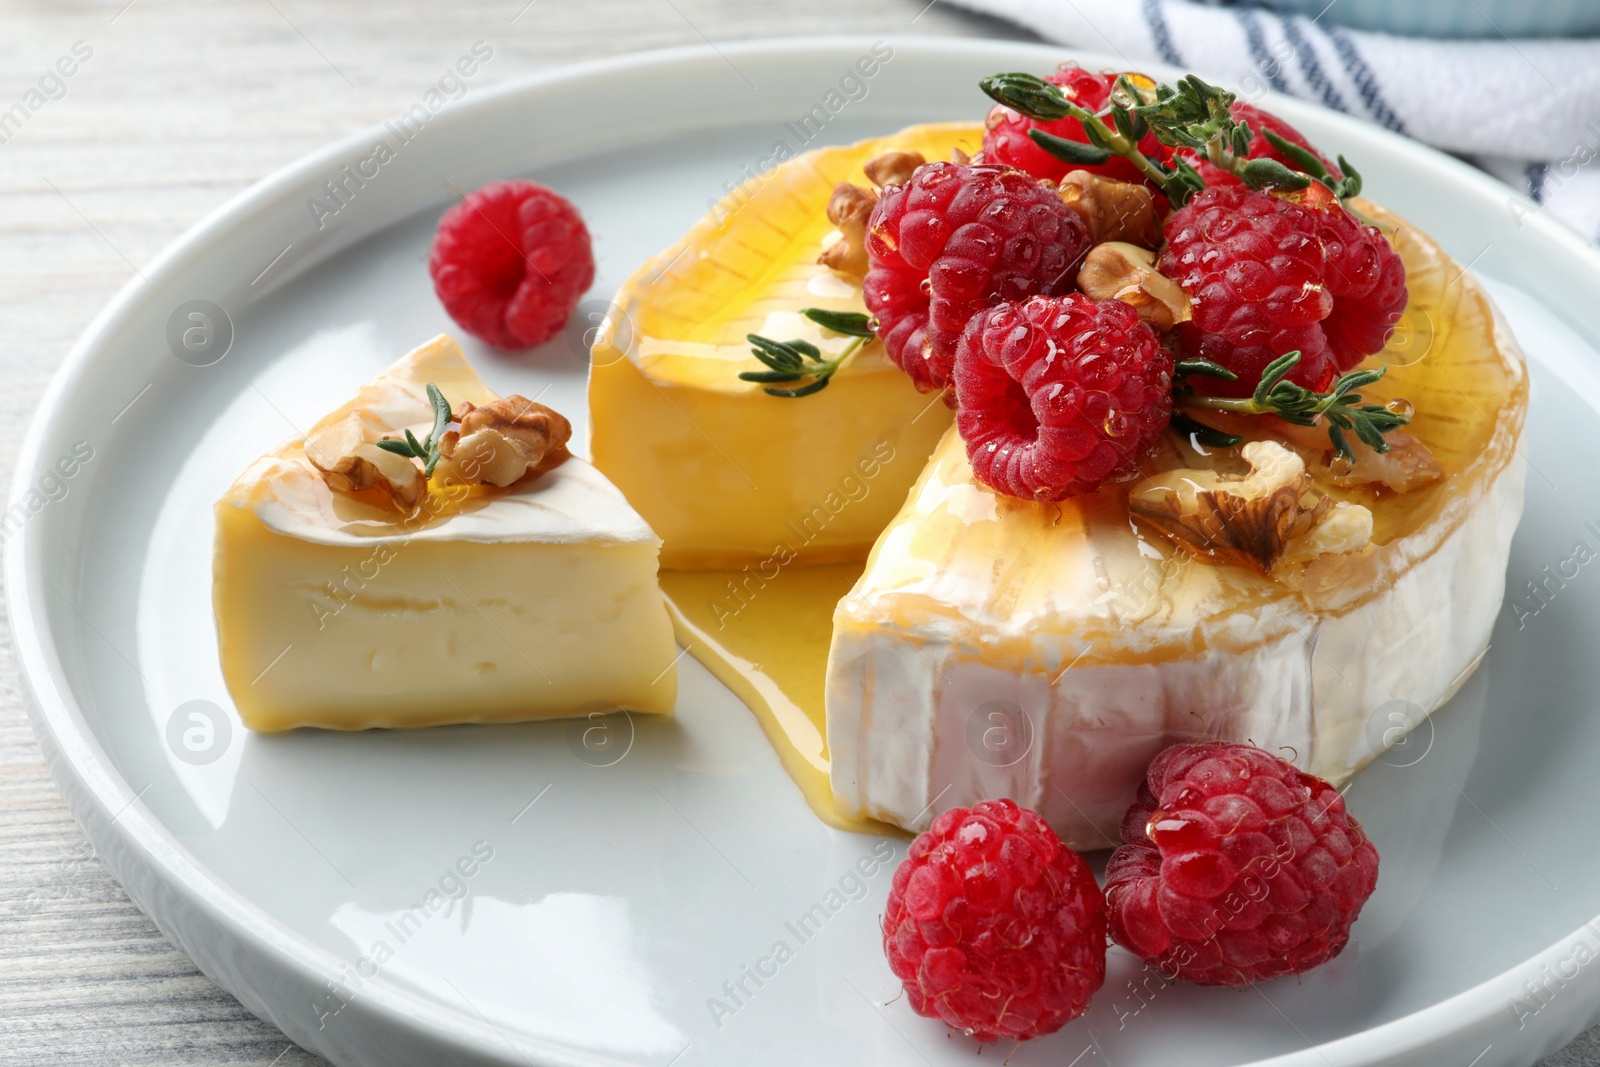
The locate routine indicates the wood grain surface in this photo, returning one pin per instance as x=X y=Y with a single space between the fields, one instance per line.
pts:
x=171 y=107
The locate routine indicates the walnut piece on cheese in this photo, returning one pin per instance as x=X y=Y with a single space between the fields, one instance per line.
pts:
x=893 y=167
x=503 y=442
x=1249 y=519
x=1112 y=210
x=1116 y=270
x=850 y=208
x=496 y=444
x=349 y=460
x=1408 y=464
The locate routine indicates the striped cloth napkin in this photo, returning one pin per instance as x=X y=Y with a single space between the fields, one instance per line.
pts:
x=1528 y=111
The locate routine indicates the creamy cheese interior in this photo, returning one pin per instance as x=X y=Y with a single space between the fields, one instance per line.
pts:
x=728 y=475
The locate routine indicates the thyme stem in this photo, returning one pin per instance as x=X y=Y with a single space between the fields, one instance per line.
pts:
x=794 y=361
x=1340 y=406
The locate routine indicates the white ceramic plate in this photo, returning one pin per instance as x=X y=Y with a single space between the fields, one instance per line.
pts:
x=611 y=909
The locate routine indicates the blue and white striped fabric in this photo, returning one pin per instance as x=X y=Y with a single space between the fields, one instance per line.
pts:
x=1528 y=111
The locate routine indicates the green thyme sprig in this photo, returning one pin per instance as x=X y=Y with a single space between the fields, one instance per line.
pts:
x=1309 y=162
x=1040 y=100
x=427 y=449
x=1194 y=114
x=1341 y=405
x=796 y=361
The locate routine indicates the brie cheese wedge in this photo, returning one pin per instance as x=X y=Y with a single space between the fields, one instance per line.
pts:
x=481 y=605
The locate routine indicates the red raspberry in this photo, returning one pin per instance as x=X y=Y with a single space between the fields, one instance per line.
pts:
x=1270 y=273
x=994 y=925
x=1238 y=867
x=954 y=240
x=1057 y=394
x=509 y=263
x=1006 y=140
x=1260 y=147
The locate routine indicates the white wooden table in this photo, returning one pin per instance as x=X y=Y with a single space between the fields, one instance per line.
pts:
x=173 y=106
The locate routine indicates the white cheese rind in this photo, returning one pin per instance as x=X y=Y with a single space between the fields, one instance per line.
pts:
x=572 y=504
x=908 y=710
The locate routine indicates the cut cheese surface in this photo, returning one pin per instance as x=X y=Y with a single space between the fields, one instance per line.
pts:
x=484 y=605
x=726 y=474
x=1086 y=643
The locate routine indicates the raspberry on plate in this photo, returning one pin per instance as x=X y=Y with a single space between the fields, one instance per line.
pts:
x=994 y=925
x=955 y=239
x=1057 y=394
x=1006 y=140
x=510 y=262
x=1269 y=273
x=1238 y=867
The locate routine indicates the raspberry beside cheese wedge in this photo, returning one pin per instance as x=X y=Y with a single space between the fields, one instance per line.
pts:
x=1046 y=652
x=474 y=604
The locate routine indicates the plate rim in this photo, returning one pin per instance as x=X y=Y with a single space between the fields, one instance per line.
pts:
x=141 y=849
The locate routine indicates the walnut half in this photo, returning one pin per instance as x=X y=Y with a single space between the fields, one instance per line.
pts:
x=849 y=209
x=851 y=206
x=1116 y=270
x=1112 y=210
x=348 y=459
x=1246 y=520
x=1342 y=529
x=503 y=442
x=893 y=167
x=496 y=444
x=1408 y=464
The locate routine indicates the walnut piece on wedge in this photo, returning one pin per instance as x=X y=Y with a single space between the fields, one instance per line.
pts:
x=496 y=444
x=503 y=442
x=1221 y=518
x=1408 y=464
x=1116 y=270
x=1112 y=210
x=1343 y=528
x=849 y=209
x=345 y=454
x=893 y=167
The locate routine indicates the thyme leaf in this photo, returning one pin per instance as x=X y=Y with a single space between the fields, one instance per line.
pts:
x=1193 y=115
x=1341 y=407
x=427 y=450
x=802 y=361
